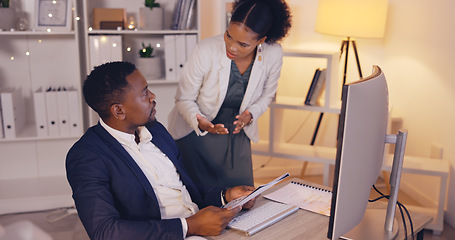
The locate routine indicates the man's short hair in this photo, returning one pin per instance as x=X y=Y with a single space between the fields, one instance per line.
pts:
x=106 y=85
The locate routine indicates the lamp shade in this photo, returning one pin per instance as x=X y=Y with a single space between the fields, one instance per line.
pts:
x=352 y=18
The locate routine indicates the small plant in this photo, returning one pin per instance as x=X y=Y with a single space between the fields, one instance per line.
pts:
x=5 y=3
x=151 y=4
x=146 y=51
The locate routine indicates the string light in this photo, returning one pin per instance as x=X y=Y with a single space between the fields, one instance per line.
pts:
x=128 y=49
x=27 y=52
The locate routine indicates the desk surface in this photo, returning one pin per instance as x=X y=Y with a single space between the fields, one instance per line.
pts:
x=308 y=225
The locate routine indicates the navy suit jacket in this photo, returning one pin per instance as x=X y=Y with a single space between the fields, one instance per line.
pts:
x=113 y=197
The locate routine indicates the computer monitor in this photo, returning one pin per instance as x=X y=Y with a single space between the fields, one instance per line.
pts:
x=361 y=138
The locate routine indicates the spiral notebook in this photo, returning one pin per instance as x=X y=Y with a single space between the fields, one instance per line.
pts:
x=303 y=195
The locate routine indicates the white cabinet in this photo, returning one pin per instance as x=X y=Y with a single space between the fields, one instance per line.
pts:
x=131 y=41
x=32 y=166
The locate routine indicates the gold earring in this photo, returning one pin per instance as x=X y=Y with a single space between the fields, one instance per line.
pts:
x=260 y=52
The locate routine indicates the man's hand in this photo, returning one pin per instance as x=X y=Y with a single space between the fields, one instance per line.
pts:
x=206 y=125
x=242 y=121
x=210 y=221
x=239 y=191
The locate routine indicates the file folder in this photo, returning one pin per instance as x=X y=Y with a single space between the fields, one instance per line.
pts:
x=13 y=112
x=51 y=110
x=180 y=54
x=2 y=133
x=63 y=113
x=191 y=41
x=75 y=121
x=170 y=57
x=104 y=49
x=39 y=103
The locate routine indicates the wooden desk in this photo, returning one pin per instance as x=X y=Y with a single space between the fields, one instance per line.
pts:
x=308 y=225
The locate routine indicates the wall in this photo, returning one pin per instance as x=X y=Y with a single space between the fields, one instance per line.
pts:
x=416 y=54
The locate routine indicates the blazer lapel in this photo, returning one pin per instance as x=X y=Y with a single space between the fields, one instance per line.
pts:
x=255 y=77
x=124 y=156
x=224 y=72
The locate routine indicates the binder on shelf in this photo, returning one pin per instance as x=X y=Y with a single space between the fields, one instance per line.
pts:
x=104 y=49
x=183 y=14
x=187 y=15
x=2 y=133
x=311 y=89
x=170 y=57
x=75 y=123
x=63 y=112
x=318 y=88
x=190 y=19
x=39 y=103
x=51 y=110
x=180 y=56
x=13 y=111
x=176 y=15
x=191 y=41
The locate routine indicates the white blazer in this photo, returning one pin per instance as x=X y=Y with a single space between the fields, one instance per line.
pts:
x=204 y=83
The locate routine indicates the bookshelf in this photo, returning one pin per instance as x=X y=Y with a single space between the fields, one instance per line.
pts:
x=32 y=167
x=164 y=87
x=275 y=145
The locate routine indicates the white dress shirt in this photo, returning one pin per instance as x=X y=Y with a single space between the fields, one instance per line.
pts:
x=173 y=197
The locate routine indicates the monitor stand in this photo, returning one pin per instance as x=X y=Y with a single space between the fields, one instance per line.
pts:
x=369 y=227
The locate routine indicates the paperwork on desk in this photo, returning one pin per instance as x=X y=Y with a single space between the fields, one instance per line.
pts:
x=304 y=196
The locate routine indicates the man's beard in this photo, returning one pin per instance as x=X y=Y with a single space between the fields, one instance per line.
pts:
x=151 y=122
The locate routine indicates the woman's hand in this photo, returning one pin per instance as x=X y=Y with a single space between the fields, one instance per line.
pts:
x=206 y=125
x=242 y=121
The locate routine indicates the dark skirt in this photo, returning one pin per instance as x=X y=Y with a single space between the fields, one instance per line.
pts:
x=219 y=160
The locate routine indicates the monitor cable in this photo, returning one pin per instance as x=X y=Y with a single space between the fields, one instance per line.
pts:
x=401 y=207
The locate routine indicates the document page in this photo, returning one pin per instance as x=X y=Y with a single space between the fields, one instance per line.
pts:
x=304 y=196
x=242 y=200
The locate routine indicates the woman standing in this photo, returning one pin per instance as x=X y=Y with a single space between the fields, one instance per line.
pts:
x=227 y=83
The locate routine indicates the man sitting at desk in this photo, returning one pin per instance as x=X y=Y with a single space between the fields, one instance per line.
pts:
x=126 y=174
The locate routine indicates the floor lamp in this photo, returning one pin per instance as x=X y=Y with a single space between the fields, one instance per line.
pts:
x=349 y=18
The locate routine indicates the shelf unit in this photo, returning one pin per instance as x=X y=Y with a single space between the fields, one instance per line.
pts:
x=275 y=146
x=32 y=168
x=32 y=171
x=163 y=88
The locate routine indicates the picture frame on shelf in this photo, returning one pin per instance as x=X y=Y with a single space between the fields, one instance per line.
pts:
x=53 y=15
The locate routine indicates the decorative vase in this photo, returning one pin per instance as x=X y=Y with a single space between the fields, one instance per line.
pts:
x=7 y=19
x=151 y=19
x=150 y=67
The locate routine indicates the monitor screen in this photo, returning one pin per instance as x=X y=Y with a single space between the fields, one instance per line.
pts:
x=362 y=131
